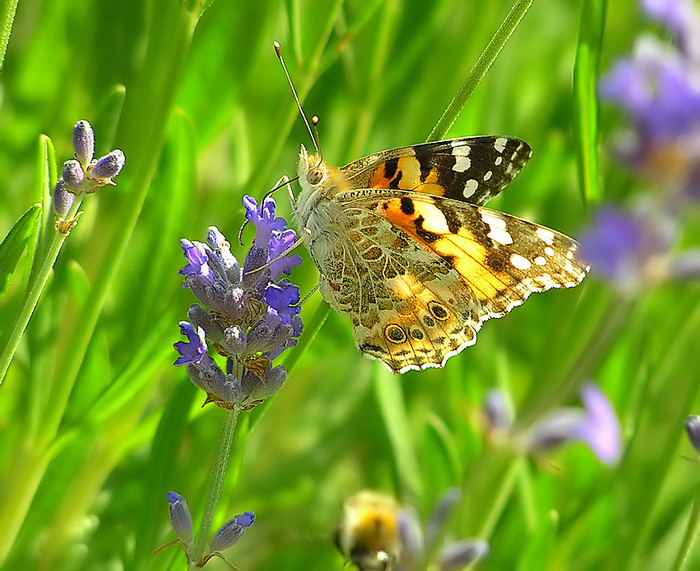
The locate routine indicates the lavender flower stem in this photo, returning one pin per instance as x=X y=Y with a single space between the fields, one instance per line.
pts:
x=41 y=271
x=215 y=484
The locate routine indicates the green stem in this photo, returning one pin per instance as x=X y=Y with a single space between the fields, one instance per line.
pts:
x=217 y=480
x=481 y=67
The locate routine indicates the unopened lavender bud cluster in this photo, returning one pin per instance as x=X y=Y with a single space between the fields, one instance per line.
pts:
x=83 y=175
x=249 y=314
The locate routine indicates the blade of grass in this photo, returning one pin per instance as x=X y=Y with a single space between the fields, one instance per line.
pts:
x=586 y=67
x=7 y=17
x=486 y=59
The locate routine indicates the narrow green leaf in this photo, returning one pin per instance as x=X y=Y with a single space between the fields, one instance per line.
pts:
x=7 y=17
x=585 y=75
x=14 y=243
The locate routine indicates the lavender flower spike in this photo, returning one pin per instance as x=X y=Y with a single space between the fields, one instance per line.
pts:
x=245 y=313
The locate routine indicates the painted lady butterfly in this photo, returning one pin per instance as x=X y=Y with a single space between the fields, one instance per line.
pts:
x=406 y=250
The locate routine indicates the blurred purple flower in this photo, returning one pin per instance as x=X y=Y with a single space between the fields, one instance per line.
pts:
x=600 y=427
x=596 y=425
x=659 y=88
x=633 y=249
x=417 y=544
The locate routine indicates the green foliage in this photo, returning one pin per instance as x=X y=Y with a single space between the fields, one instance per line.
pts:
x=97 y=425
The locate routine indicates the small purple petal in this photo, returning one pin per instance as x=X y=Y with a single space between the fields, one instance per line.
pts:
x=284 y=299
x=658 y=88
x=555 y=429
x=180 y=518
x=411 y=536
x=194 y=348
x=263 y=219
x=279 y=244
x=677 y=15
x=198 y=266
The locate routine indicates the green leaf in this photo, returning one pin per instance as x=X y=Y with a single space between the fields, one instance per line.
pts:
x=14 y=243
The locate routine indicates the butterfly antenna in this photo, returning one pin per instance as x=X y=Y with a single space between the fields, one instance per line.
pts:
x=317 y=144
x=314 y=140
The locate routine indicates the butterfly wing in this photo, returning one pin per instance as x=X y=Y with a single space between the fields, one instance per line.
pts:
x=419 y=274
x=471 y=169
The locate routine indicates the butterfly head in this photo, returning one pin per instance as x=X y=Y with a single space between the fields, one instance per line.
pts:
x=312 y=170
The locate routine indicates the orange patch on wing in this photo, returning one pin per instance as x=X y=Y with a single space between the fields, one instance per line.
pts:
x=410 y=178
x=469 y=259
x=466 y=255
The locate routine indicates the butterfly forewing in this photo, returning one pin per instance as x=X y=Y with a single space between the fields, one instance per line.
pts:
x=470 y=169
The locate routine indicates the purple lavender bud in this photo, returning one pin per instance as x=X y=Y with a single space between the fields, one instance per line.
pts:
x=462 y=553
x=73 y=175
x=411 y=536
x=62 y=200
x=180 y=518
x=496 y=411
x=442 y=512
x=83 y=142
x=692 y=427
x=231 y=531
x=109 y=166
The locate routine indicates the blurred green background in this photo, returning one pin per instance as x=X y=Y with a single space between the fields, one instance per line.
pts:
x=97 y=425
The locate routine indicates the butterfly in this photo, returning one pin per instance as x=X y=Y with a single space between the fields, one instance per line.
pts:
x=406 y=250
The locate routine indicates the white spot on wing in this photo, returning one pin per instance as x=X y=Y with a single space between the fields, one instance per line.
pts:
x=488 y=176
x=540 y=261
x=519 y=262
x=460 y=149
x=549 y=251
x=547 y=236
x=498 y=161
x=462 y=163
x=497 y=229
x=500 y=236
x=500 y=144
x=470 y=187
